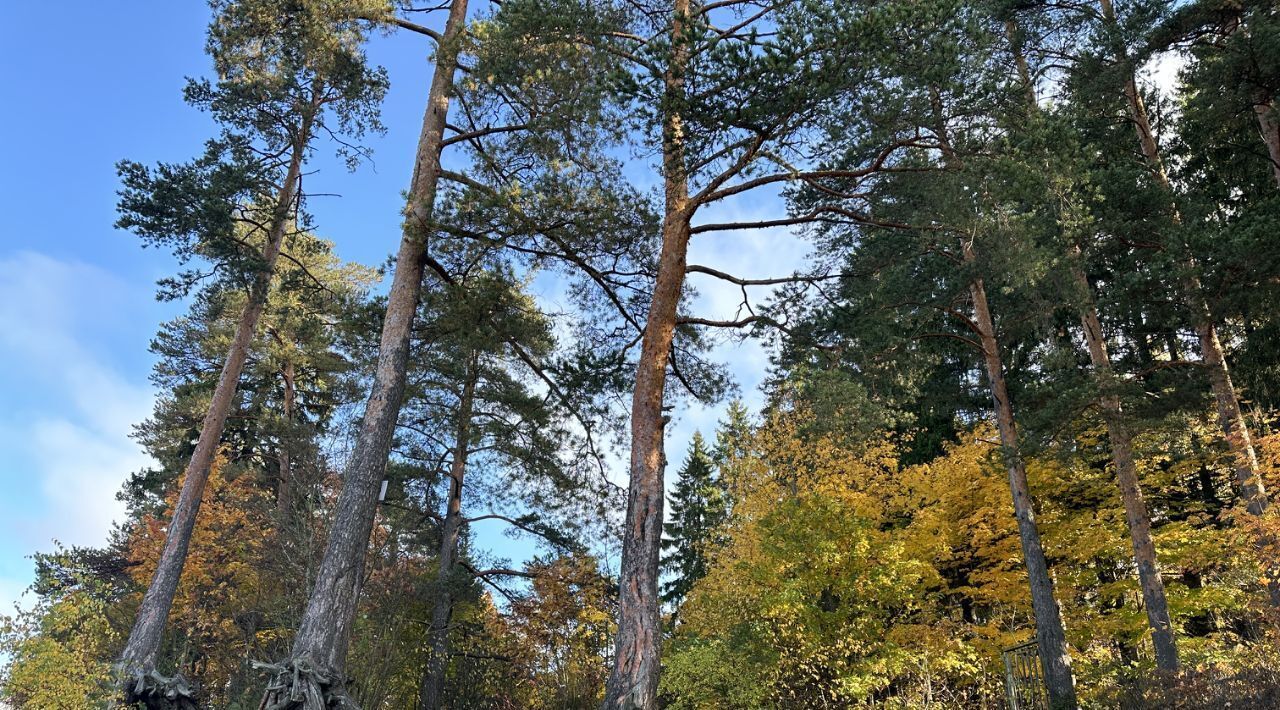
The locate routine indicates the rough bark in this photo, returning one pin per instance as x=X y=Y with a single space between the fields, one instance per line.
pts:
x=137 y=661
x=315 y=668
x=284 y=487
x=430 y=694
x=1136 y=514
x=1230 y=418
x=1135 y=508
x=1050 y=635
x=1264 y=107
x=1235 y=429
x=633 y=680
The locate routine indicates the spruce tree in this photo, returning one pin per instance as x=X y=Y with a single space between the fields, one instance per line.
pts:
x=698 y=507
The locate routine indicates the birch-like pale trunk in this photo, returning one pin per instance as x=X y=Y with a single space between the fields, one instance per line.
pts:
x=1051 y=637
x=139 y=655
x=633 y=680
x=320 y=646
x=430 y=694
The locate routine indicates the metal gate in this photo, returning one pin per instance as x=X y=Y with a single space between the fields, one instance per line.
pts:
x=1024 y=678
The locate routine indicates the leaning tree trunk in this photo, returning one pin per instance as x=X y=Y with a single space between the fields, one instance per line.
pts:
x=633 y=680
x=1135 y=508
x=431 y=693
x=137 y=664
x=314 y=671
x=1050 y=636
x=1235 y=430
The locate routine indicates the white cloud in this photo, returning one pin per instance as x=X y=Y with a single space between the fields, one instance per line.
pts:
x=69 y=411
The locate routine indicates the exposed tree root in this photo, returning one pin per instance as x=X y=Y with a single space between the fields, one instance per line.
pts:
x=152 y=690
x=300 y=685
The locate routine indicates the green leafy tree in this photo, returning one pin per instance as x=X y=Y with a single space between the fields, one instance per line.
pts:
x=58 y=654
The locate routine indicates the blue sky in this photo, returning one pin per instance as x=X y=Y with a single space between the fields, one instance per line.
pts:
x=77 y=307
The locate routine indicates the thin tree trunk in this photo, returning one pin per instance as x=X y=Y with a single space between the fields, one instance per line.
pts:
x=430 y=694
x=633 y=680
x=1051 y=638
x=320 y=647
x=284 y=487
x=1235 y=429
x=1264 y=107
x=136 y=664
x=1135 y=508
x=1136 y=514
x=138 y=658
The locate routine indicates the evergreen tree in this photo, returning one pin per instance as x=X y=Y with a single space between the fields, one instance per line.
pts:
x=698 y=507
x=287 y=72
x=733 y=435
x=313 y=674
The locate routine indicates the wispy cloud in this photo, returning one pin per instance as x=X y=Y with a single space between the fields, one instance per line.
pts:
x=751 y=254
x=69 y=409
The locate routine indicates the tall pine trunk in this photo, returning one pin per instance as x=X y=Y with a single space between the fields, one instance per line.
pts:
x=430 y=694
x=1137 y=517
x=633 y=680
x=138 y=659
x=1050 y=635
x=320 y=647
x=1264 y=107
x=1235 y=429
x=284 y=458
x=1135 y=508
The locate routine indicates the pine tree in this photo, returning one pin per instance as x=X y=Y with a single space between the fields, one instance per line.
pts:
x=314 y=672
x=287 y=72
x=698 y=507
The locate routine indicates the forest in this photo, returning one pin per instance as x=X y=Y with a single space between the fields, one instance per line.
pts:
x=1018 y=421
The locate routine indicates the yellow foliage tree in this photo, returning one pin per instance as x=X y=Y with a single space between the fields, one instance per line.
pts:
x=217 y=623
x=57 y=655
x=847 y=578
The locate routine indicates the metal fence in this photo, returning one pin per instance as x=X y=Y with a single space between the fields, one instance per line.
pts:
x=1024 y=678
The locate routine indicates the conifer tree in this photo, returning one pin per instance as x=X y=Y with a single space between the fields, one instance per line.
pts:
x=314 y=672
x=688 y=82
x=732 y=435
x=470 y=404
x=698 y=508
x=286 y=72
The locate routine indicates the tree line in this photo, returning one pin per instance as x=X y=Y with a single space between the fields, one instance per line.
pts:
x=1022 y=389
